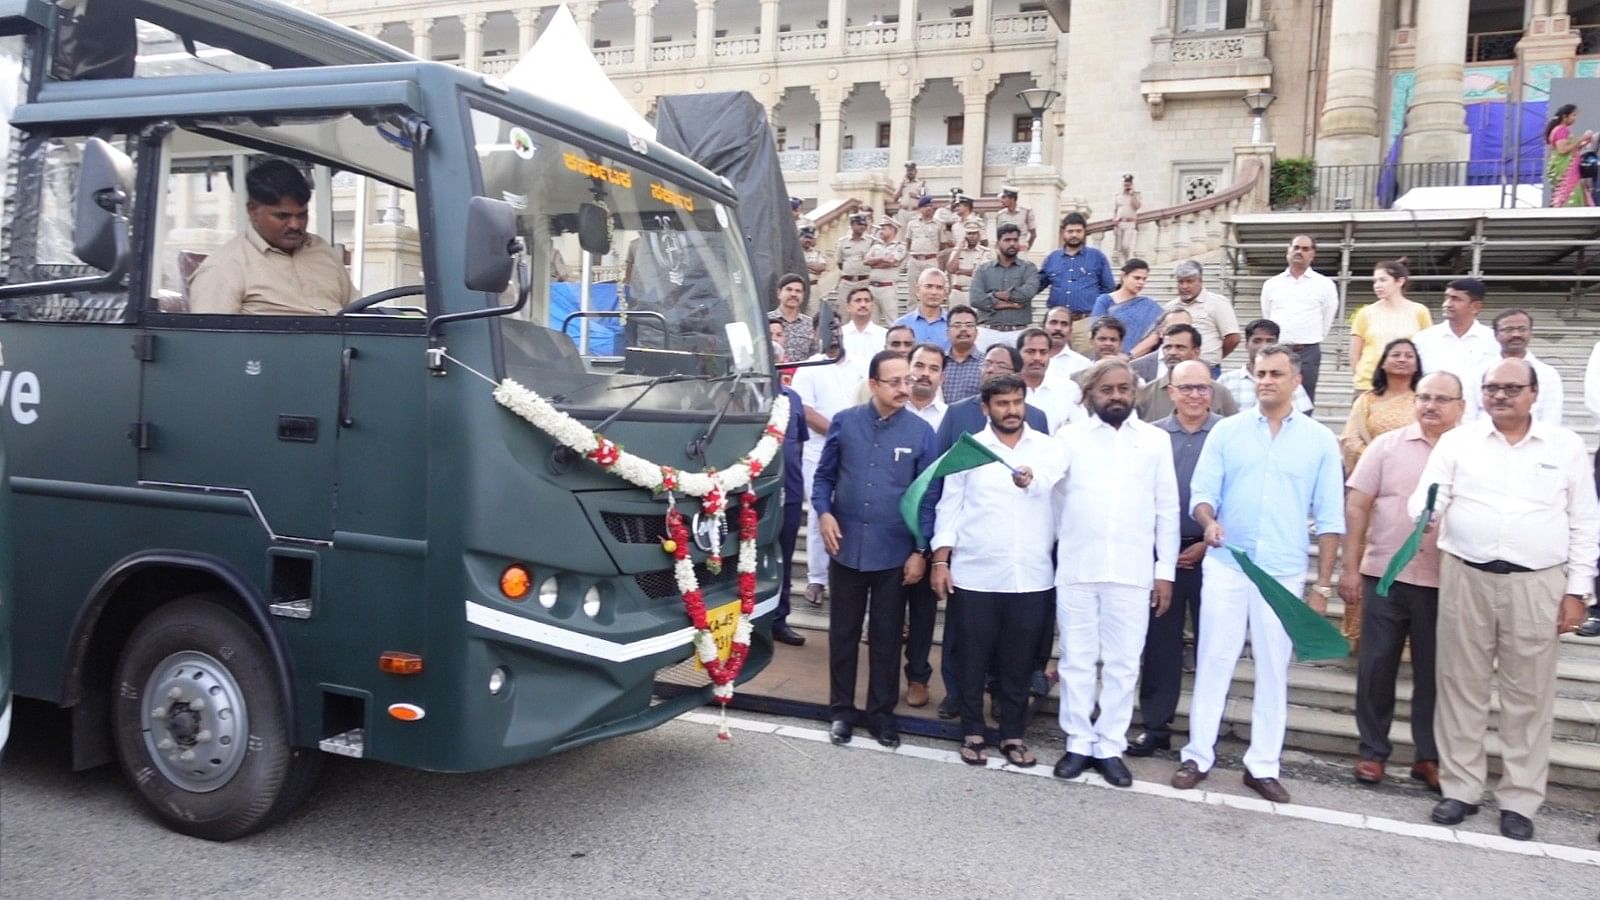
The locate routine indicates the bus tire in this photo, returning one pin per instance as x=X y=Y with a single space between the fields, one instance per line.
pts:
x=200 y=728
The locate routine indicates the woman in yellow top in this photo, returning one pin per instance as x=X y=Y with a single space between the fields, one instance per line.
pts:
x=1391 y=318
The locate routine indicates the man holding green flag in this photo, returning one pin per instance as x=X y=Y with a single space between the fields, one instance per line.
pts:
x=1260 y=475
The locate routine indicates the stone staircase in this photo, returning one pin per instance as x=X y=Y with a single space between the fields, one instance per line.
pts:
x=1322 y=695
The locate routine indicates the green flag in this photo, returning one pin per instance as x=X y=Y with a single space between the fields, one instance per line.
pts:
x=1314 y=637
x=1408 y=550
x=965 y=453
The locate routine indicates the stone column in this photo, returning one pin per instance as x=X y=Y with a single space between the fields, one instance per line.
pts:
x=472 y=41
x=644 y=23
x=902 y=96
x=1347 y=133
x=769 y=26
x=975 y=90
x=830 y=105
x=1436 y=128
x=908 y=23
x=1403 y=40
x=527 y=25
x=1549 y=36
x=583 y=14
x=422 y=38
x=982 y=13
x=705 y=29
x=370 y=29
x=835 y=26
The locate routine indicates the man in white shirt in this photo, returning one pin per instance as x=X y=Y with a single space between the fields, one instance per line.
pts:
x=862 y=337
x=991 y=544
x=1064 y=361
x=1519 y=527
x=1513 y=329
x=826 y=391
x=1061 y=399
x=927 y=404
x=1118 y=508
x=1304 y=303
x=1460 y=345
x=1241 y=383
x=927 y=377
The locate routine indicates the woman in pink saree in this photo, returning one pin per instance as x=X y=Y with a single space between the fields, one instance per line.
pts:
x=1561 y=174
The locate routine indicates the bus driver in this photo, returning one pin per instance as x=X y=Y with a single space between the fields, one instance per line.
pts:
x=275 y=267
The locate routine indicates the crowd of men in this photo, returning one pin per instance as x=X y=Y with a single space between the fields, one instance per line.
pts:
x=1141 y=455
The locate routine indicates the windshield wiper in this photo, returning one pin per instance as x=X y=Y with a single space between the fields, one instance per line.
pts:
x=697 y=447
x=650 y=386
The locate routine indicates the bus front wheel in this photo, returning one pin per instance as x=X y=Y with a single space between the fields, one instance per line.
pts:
x=201 y=729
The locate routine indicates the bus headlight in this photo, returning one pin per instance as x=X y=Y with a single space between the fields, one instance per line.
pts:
x=591 y=601
x=498 y=679
x=548 y=592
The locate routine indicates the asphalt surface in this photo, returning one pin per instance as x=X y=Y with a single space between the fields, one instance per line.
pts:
x=676 y=813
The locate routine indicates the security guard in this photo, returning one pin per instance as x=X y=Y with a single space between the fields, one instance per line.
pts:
x=884 y=261
x=924 y=237
x=1012 y=214
x=965 y=259
x=906 y=196
x=851 y=254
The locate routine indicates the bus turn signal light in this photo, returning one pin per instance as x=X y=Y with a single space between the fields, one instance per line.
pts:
x=399 y=662
x=406 y=712
x=515 y=582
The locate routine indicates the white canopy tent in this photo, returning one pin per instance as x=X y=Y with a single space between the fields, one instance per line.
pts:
x=559 y=67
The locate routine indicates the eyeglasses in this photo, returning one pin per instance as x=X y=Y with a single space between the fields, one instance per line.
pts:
x=1509 y=390
x=964 y=326
x=892 y=382
x=1192 y=389
x=1436 y=398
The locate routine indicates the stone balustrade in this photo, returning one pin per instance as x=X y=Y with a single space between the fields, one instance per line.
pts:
x=867 y=36
x=609 y=57
x=799 y=160
x=939 y=30
x=671 y=51
x=1006 y=154
x=1188 y=230
x=1020 y=26
x=934 y=156
x=864 y=160
x=735 y=47
x=802 y=41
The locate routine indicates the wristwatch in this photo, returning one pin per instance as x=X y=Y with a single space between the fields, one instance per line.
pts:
x=1324 y=589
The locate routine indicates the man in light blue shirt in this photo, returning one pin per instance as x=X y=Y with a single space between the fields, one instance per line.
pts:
x=1259 y=477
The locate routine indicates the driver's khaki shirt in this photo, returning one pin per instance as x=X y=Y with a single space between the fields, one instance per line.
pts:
x=248 y=275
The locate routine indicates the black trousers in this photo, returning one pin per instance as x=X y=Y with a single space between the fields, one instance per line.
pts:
x=1310 y=368
x=1005 y=626
x=853 y=593
x=788 y=536
x=1161 y=678
x=922 y=607
x=1386 y=622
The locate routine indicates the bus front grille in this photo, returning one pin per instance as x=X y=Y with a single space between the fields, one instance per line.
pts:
x=661 y=583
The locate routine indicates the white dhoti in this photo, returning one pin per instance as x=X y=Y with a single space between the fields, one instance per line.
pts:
x=1102 y=623
x=816 y=552
x=1231 y=607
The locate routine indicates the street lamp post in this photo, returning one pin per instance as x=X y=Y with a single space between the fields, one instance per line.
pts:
x=1037 y=100
x=1258 y=101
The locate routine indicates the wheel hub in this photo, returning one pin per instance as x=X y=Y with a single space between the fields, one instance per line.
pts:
x=194 y=721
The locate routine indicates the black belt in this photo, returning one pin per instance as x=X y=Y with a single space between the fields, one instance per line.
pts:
x=1496 y=566
x=852 y=278
x=881 y=283
x=1005 y=327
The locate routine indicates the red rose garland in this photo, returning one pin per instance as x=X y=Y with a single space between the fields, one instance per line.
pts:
x=723 y=673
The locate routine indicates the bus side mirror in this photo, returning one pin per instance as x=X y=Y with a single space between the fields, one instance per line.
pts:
x=492 y=244
x=594 y=229
x=100 y=222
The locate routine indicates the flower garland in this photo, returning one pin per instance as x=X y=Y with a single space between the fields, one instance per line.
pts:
x=712 y=487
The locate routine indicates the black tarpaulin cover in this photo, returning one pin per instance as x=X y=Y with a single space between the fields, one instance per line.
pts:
x=728 y=133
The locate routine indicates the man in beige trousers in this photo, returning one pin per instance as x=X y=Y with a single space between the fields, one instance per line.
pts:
x=1519 y=533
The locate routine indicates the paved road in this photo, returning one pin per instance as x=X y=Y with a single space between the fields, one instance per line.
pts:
x=675 y=813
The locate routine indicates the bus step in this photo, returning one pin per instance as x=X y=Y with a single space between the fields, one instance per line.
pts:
x=292 y=609
x=352 y=743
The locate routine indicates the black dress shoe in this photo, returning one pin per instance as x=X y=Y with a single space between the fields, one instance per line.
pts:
x=1591 y=626
x=839 y=732
x=1451 y=812
x=888 y=737
x=1145 y=745
x=1071 y=765
x=949 y=708
x=1516 y=826
x=785 y=634
x=1111 y=768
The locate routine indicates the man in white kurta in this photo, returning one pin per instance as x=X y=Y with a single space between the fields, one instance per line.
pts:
x=826 y=391
x=1118 y=510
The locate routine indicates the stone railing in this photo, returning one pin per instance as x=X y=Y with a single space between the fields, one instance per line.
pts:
x=944 y=30
x=1189 y=229
x=672 y=52
x=802 y=41
x=1019 y=25
x=497 y=65
x=864 y=160
x=1007 y=154
x=937 y=156
x=613 y=56
x=734 y=47
x=799 y=160
x=870 y=35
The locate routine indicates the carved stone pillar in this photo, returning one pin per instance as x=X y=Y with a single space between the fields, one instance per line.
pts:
x=1347 y=133
x=422 y=38
x=975 y=90
x=583 y=14
x=769 y=26
x=705 y=29
x=644 y=23
x=527 y=25
x=830 y=106
x=908 y=23
x=1549 y=36
x=835 y=26
x=1436 y=129
x=902 y=97
x=472 y=41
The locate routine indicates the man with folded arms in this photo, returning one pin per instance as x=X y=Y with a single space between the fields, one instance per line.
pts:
x=1519 y=529
x=1377 y=524
x=1119 y=510
x=1262 y=473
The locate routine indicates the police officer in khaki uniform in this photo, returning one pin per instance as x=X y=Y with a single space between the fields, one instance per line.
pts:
x=816 y=264
x=924 y=238
x=910 y=191
x=851 y=255
x=1012 y=214
x=965 y=260
x=883 y=262
x=964 y=211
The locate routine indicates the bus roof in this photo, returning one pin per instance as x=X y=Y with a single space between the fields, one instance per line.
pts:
x=269 y=31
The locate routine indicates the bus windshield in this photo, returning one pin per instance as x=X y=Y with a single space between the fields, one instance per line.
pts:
x=664 y=257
